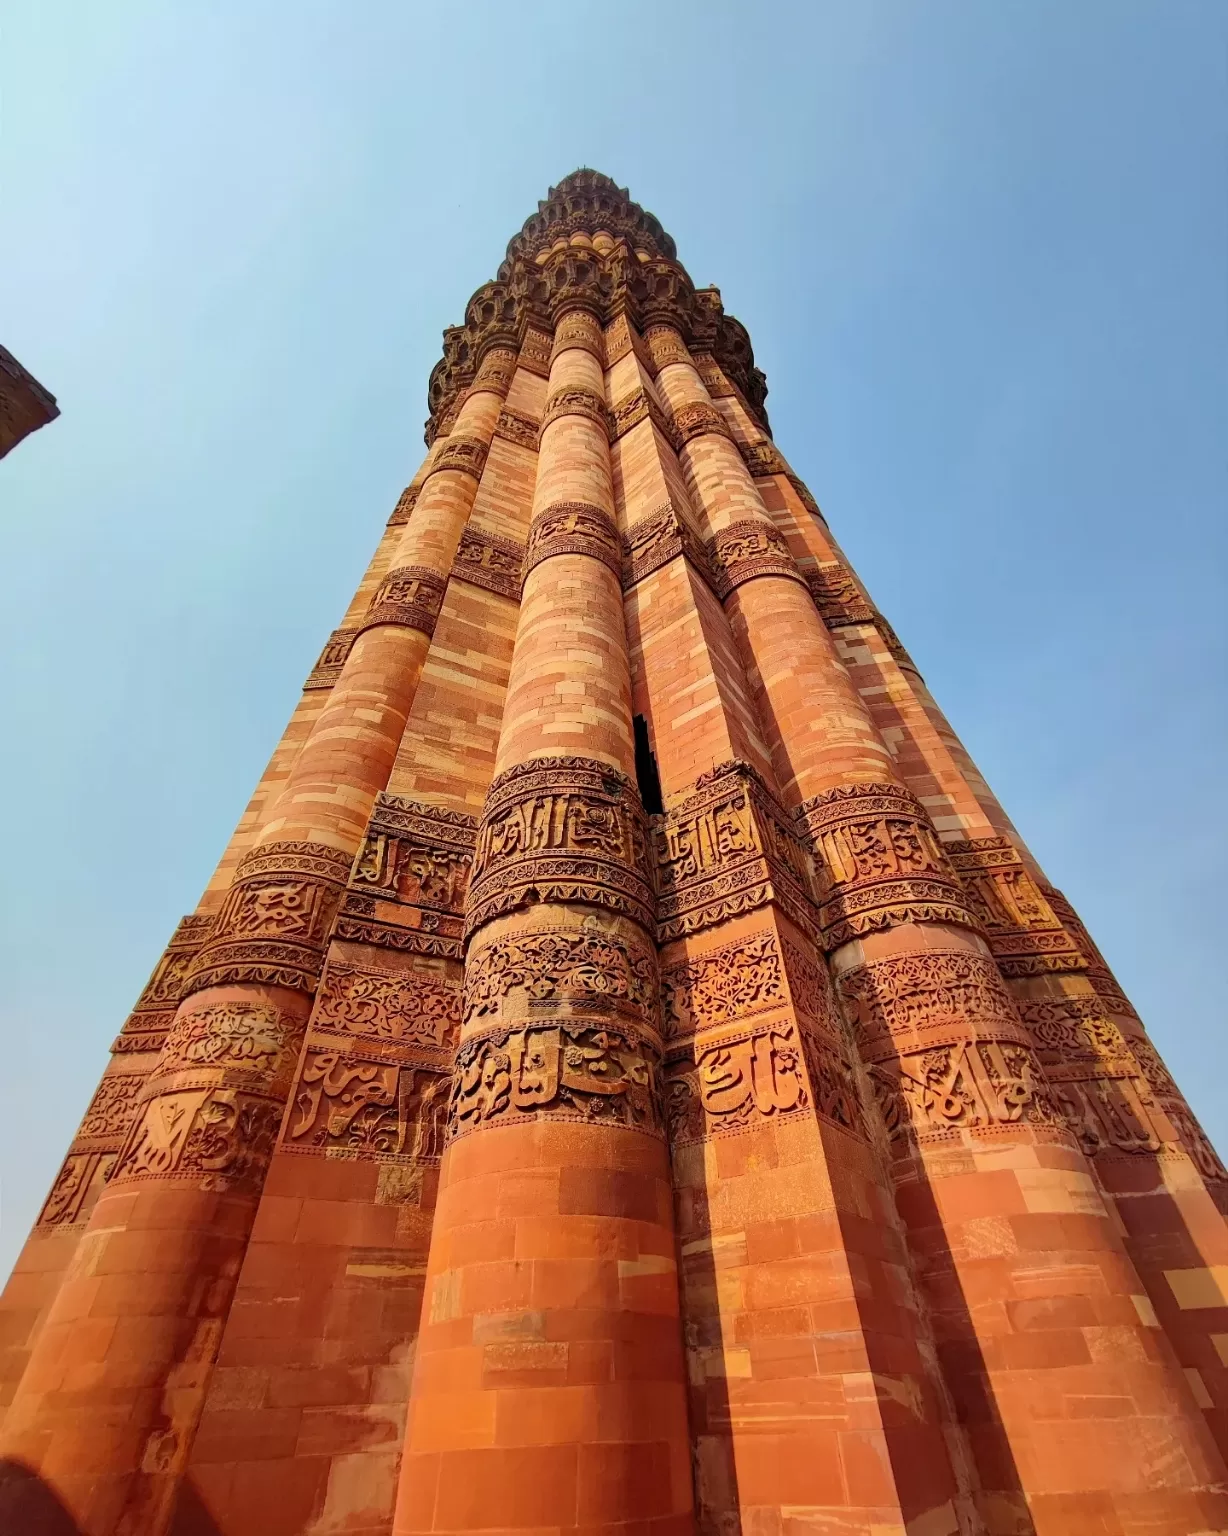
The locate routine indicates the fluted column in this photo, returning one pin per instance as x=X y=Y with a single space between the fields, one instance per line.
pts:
x=115 y=1385
x=1022 y=1266
x=548 y=1387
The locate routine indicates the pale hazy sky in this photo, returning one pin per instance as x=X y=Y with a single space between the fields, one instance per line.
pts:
x=980 y=246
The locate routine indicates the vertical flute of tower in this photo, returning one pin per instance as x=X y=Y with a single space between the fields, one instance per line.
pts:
x=50 y=1247
x=548 y=1388
x=1147 y=1151
x=114 y=1387
x=933 y=1018
x=794 y=1270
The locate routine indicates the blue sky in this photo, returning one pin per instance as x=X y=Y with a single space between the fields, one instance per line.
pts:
x=981 y=251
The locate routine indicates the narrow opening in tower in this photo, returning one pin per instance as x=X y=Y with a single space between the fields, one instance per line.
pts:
x=646 y=775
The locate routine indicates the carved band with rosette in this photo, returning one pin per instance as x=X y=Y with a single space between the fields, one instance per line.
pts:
x=561 y=829
x=728 y=848
x=276 y=918
x=879 y=863
x=574 y=528
x=411 y=595
x=748 y=548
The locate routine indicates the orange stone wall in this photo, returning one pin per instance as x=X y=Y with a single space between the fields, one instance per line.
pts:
x=626 y=1074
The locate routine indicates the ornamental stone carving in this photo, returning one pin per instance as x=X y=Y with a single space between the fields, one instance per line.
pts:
x=217 y=1137
x=572 y=1069
x=1016 y=916
x=587 y=970
x=146 y=1026
x=931 y=996
x=332 y=658
x=407 y=890
x=574 y=528
x=411 y=1006
x=579 y=329
x=77 y=1186
x=982 y=1086
x=763 y=459
x=518 y=429
x=276 y=918
x=631 y=410
x=562 y=829
x=575 y=401
x=837 y=596
x=352 y=1107
x=748 y=548
x=411 y=595
x=752 y=1076
x=728 y=848
x=466 y=455
x=658 y=538
x=722 y=985
x=696 y=420
x=878 y=863
x=489 y=560
x=664 y=346
x=405 y=505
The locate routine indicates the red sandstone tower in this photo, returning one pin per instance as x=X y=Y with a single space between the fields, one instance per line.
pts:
x=626 y=1075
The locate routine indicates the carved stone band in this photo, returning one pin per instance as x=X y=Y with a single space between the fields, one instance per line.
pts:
x=332 y=658
x=633 y=409
x=589 y=972
x=562 y=829
x=276 y=918
x=575 y=401
x=412 y=595
x=574 y=528
x=946 y=1050
x=577 y=328
x=879 y=863
x=405 y=505
x=518 y=429
x=466 y=454
x=407 y=889
x=727 y=849
x=763 y=459
x=1024 y=932
x=565 y=1069
x=665 y=346
x=837 y=596
x=696 y=420
x=487 y=560
x=657 y=539
x=748 y=548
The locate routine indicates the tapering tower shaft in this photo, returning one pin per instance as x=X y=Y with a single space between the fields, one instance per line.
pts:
x=626 y=1071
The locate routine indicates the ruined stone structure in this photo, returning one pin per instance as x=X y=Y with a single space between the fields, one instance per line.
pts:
x=627 y=1074
x=24 y=404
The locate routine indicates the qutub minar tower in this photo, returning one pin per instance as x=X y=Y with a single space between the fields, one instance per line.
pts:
x=627 y=1075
